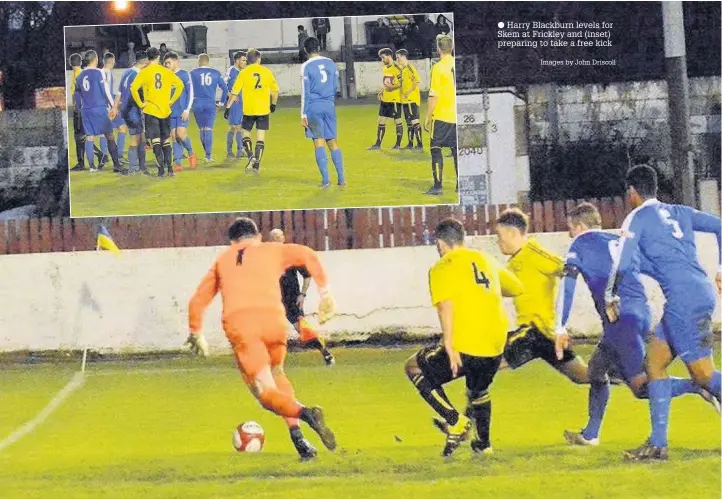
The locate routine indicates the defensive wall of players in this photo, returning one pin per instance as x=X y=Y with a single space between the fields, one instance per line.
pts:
x=138 y=302
x=368 y=75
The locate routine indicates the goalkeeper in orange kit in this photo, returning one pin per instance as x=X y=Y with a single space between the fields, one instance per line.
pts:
x=254 y=320
x=293 y=297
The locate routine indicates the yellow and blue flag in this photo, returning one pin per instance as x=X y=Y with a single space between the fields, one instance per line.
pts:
x=106 y=242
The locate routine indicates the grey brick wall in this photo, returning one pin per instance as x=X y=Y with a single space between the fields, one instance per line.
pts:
x=33 y=160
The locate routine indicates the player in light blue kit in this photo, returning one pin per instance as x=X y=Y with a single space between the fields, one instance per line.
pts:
x=96 y=107
x=664 y=234
x=622 y=346
x=205 y=81
x=133 y=116
x=235 y=114
x=319 y=84
x=180 y=113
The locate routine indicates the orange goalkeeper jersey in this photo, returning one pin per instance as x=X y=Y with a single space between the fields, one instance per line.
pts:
x=247 y=276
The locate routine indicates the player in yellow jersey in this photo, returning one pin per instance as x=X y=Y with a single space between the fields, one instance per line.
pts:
x=539 y=270
x=466 y=287
x=410 y=98
x=440 y=119
x=390 y=97
x=157 y=83
x=260 y=96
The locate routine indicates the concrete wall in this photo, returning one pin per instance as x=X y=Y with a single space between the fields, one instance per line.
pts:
x=31 y=145
x=635 y=112
x=139 y=301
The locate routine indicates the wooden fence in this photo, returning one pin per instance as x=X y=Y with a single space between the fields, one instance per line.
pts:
x=320 y=229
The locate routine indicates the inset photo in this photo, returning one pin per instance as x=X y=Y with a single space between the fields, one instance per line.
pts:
x=279 y=114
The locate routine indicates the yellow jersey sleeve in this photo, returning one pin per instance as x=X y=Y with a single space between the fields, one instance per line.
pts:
x=441 y=284
x=73 y=83
x=414 y=74
x=547 y=263
x=510 y=284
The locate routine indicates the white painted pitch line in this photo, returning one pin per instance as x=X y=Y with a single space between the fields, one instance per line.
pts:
x=160 y=370
x=76 y=382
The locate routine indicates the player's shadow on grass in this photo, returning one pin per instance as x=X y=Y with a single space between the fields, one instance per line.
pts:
x=406 y=156
x=227 y=164
x=692 y=454
x=244 y=180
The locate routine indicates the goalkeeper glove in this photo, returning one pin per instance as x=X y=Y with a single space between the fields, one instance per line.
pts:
x=197 y=344
x=273 y=108
x=226 y=112
x=326 y=308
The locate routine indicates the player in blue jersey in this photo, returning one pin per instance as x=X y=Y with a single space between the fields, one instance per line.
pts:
x=622 y=346
x=205 y=81
x=665 y=235
x=118 y=122
x=96 y=108
x=180 y=112
x=133 y=116
x=235 y=115
x=319 y=84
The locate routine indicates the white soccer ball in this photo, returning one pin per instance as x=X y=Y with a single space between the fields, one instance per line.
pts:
x=249 y=437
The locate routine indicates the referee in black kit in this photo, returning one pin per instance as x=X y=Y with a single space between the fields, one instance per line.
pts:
x=293 y=297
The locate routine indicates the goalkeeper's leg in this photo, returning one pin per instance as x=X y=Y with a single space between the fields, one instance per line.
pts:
x=303 y=446
x=255 y=356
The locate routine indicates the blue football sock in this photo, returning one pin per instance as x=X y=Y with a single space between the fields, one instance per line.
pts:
x=133 y=159
x=209 y=141
x=229 y=142
x=121 y=144
x=89 y=153
x=104 y=145
x=660 y=392
x=714 y=384
x=337 y=158
x=177 y=152
x=681 y=386
x=322 y=162
x=203 y=141
x=141 y=155
x=239 y=141
x=598 y=398
x=187 y=144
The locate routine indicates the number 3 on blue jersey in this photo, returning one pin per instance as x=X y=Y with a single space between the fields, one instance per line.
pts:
x=666 y=218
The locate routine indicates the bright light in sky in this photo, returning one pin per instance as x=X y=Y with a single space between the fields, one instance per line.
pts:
x=120 y=6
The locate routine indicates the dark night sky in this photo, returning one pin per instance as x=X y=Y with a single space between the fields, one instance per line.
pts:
x=37 y=59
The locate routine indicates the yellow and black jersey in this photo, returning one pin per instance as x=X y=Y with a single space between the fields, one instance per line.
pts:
x=474 y=283
x=443 y=87
x=539 y=271
x=410 y=79
x=391 y=75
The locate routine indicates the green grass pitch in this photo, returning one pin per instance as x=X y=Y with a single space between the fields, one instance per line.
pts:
x=289 y=175
x=162 y=429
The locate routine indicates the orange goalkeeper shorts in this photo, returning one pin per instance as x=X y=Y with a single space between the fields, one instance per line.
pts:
x=258 y=339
